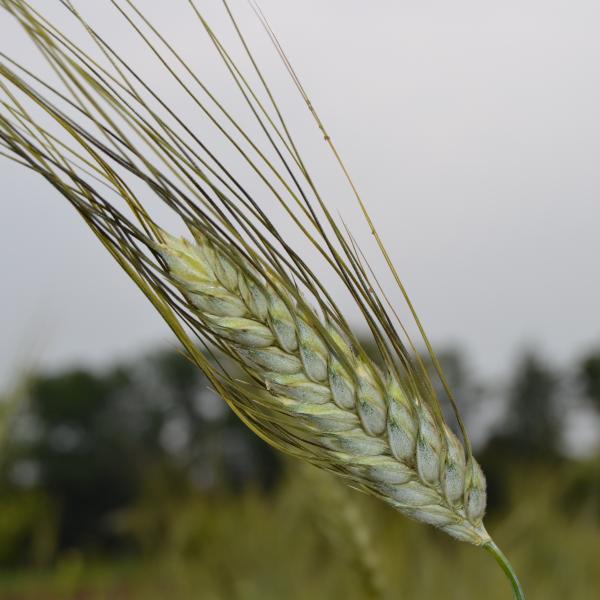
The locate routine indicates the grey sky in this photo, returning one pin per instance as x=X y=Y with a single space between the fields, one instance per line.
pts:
x=472 y=128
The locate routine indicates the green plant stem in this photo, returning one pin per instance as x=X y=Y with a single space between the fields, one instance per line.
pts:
x=505 y=565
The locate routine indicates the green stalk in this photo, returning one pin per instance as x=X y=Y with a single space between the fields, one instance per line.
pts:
x=505 y=565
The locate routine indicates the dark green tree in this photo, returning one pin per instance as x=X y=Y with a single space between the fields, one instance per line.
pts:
x=589 y=377
x=84 y=456
x=93 y=444
x=532 y=428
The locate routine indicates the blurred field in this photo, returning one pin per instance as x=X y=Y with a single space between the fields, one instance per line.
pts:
x=125 y=486
x=285 y=545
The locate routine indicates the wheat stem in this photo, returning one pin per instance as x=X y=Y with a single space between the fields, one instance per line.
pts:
x=505 y=565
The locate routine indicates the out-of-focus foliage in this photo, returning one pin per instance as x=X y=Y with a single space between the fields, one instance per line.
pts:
x=251 y=547
x=533 y=425
x=97 y=444
x=581 y=490
x=589 y=376
x=138 y=483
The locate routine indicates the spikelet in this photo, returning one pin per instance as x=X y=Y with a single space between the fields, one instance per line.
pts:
x=362 y=421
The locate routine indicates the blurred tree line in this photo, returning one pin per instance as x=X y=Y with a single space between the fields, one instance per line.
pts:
x=82 y=447
x=90 y=460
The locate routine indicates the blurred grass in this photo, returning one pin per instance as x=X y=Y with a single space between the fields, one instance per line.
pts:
x=256 y=546
x=97 y=502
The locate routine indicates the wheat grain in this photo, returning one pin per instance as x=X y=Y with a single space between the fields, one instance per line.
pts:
x=362 y=420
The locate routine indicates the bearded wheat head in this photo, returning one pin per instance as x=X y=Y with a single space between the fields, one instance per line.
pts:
x=302 y=380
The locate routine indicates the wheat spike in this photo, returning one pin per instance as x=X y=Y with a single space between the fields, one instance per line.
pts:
x=361 y=420
x=103 y=137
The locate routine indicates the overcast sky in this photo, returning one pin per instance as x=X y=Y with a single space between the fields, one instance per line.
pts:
x=471 y=127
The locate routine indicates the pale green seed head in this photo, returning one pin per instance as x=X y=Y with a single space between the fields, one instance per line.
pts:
x=401 y=426
x=272 y=359
x=429 y=446
x=370 y=400
x=283 y=323
x=313 y=352
x=246 y=332
x=342 y=387
x=475 y=497
x=453 y=476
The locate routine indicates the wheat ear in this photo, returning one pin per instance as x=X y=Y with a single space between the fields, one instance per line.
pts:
x=113 y=143
x=361 y=421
